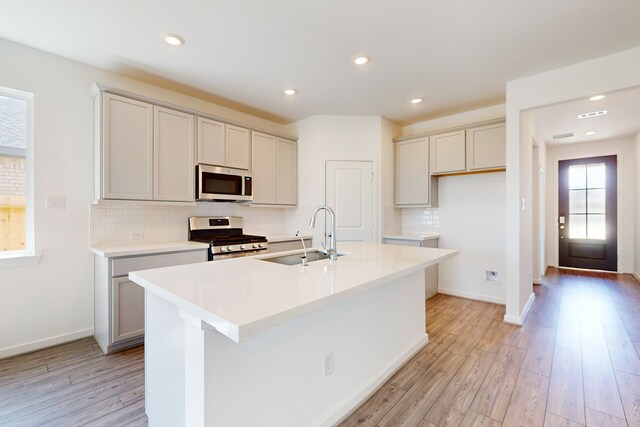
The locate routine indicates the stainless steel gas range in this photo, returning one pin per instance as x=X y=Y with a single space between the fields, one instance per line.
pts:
x=225 y=237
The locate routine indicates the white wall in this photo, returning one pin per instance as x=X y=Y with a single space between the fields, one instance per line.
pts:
x=636 y=260
x=472 y=221
x=463 y=200
x=624 y=148
x=53 y=301
x=601 y=75
x=323 y=138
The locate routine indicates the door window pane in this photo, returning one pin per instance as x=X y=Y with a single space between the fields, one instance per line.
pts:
x=596 y=175
x=577 y=201
x=577 y=226
x=596 y=227
x=577 y=176
x=596 y=201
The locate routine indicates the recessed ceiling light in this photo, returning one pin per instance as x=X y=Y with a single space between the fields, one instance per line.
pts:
x=591 y=132
x=290 y=92
x=596 y=98
x=361 y=60
x=594 y=114
x=416 y=100
x=174 y=39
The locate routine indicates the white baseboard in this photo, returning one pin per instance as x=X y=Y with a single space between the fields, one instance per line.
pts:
x=537 y=281
x=519 y=320
x=348 y=407
x=469 y=295
x=637 y=277
x=44 y=343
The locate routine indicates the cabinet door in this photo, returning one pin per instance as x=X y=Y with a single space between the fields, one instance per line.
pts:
x=127 y=148
x=238 y=147
x=263 y=168
x=127 y=309
x=286 y=172
x=211 y=142
x=173 y=155
x=486 y=147
x=412 y=172
x=448 y=153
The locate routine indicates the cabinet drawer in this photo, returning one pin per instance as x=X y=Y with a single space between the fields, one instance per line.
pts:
x=122 y=266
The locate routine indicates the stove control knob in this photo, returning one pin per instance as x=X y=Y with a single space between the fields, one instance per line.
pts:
x=260 y=245
x=243 y=247
x=255 y=245
x=225 y=249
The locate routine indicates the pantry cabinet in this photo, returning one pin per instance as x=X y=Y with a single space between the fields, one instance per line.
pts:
x=414 y=185
x=274 y=170
x=142 y=152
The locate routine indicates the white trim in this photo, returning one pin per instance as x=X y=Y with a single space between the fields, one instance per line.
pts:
x=470 y=295
x=349 y=406
x=18 y=259
x=44 y=343
x=519 y=321
x=636 y=276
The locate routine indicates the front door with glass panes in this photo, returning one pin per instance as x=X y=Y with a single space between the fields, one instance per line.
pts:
x=587 y=211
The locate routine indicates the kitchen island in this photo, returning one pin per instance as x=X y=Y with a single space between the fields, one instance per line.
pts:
x=251 y=342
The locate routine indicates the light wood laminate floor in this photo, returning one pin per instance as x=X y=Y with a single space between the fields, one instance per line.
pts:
x=574 y=362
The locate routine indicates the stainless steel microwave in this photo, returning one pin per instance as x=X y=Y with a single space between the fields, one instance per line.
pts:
x=220 y=184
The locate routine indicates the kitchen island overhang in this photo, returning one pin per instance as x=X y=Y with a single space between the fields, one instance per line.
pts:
x=229 y=343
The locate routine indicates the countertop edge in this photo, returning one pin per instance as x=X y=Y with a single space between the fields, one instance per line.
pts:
x=147 y=249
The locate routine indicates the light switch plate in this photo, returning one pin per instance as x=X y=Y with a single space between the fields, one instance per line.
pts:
x=55 y=202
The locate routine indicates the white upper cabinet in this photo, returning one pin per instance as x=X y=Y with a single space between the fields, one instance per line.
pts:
x=238 y=147
x=274 y=170
x=286 y=172
x=211 y=142
x=486 y=147
x=263 y=168
x=173 y=155
x=448 y=153
x=126 y=148
x=414 y=184
x=220 y=144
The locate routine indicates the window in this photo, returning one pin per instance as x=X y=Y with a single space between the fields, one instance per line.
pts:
x=15 y=133
x=587 y=196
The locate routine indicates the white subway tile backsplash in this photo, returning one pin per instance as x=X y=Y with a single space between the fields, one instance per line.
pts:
x=112 y=223
x=420 y=220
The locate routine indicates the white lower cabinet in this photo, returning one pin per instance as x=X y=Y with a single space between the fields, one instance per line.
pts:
x=430 y=273
x=119 y=302
x=128 y=319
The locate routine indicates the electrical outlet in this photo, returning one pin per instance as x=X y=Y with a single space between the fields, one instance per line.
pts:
x=492 y=276
x=478 y=223
x=328 y=364
x=55 y=202
x=137 y=234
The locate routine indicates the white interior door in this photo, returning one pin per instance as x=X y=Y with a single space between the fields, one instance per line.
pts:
x=349 y=192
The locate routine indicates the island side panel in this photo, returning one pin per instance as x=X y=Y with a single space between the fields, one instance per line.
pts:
x=164 y=362
x=277 y=377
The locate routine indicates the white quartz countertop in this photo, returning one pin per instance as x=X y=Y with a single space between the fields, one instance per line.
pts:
x=147 y=248
x=240 y=297
x=413 y=237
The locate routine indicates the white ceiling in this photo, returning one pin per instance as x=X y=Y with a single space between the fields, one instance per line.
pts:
x=456 y=54
x=621 y=120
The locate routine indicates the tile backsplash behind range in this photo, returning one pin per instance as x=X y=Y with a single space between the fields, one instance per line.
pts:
x=420 y=220
x=122 y=223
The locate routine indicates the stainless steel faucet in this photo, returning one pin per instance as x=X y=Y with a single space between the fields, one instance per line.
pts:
x=304 y=248
x=333 y=250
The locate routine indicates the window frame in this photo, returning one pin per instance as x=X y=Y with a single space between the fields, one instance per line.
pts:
x=29 y=255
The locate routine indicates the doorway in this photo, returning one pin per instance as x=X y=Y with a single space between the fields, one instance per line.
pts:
x=587 y=213
x=349 y=192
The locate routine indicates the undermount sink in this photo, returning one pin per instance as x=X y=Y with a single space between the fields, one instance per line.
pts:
x=295 y=259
